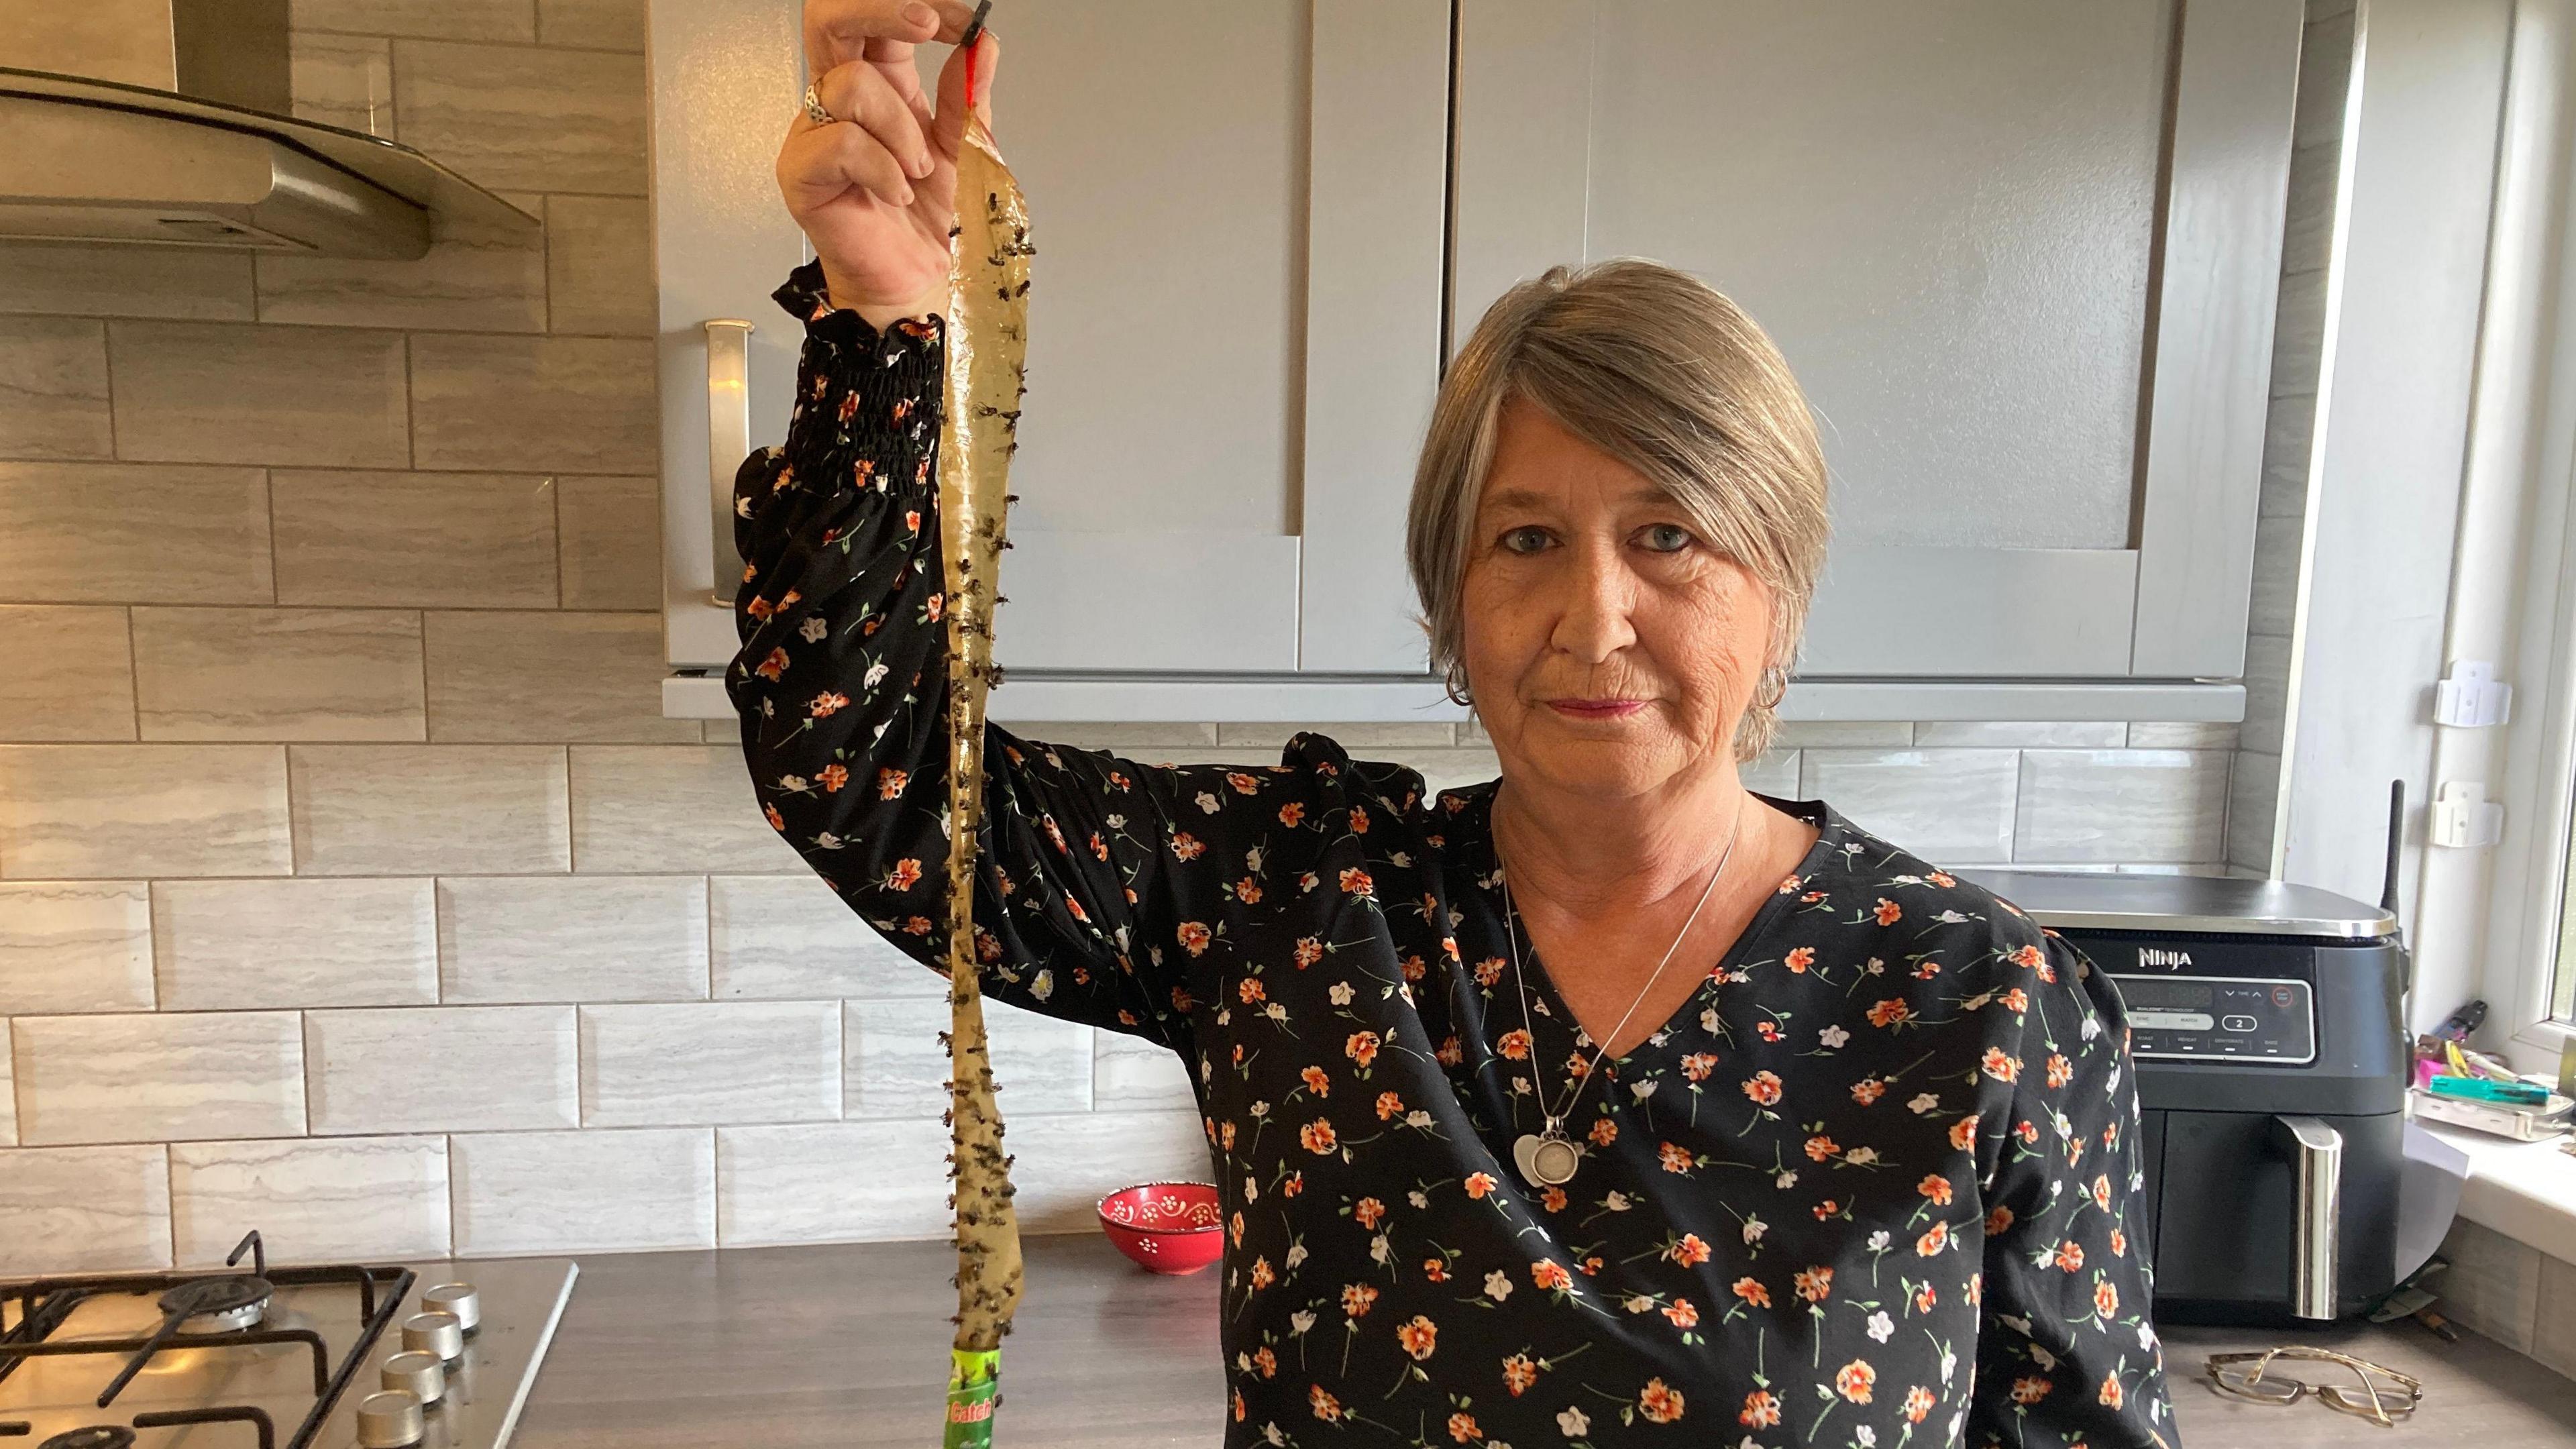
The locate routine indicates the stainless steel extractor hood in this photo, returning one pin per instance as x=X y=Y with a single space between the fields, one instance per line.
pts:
x=164 y=121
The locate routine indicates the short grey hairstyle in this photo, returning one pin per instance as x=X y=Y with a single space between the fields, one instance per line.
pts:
x=1662 y=372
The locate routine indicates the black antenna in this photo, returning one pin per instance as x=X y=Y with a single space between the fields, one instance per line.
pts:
x=2396 y=834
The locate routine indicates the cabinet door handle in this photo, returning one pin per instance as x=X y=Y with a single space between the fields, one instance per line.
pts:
x=728 y=440
x=2316 y=1159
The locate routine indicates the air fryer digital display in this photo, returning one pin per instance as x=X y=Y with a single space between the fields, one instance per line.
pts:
x=2265 y=1020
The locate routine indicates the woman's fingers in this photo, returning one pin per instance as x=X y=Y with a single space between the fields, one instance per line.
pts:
x=859 y=93
x=948 y=127
x=838 y=31
x=818 y=163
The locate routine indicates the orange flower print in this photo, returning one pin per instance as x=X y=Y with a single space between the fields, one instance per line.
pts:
x=2101 y=1192
x=1682 y=1314
x=2106 y=1299
x=1418 y=1336
x=1868 y=1090
x=1688 y=1250
x=1551 y=1275
x=1262 y=1276
x=1462 y=1428
x=1359 y=821
x=1813 y=1284
x=1317 y=1136
x=1357 y=1299
x=1514 y=1044
x=1799 y=959
x=1924 y=1298
x=1553 y=1199
x=905 y=874
x=1186 y=846
x=1243 y=784
x=1316 y=1082
x=1853 y=1380
x=1822 y=1149
x=1675 y=1157
x=832 y=778
x=1891 y=1012
x=912 y=520
x=1308 y=951
x=1292 y=812
x=1435 y=1270
x=1266 y=1361
x=1356 y=882
x=931 y=607
x=1998 y=1220
x=1933 y=1240
x=773 y=666
x=1826 y=1209
x=2030 y=1389
x=1361 y=1048
x=827 y=704
x=760 y=608
x=1250 y=990
x=1450 y=1053
x=1918 y=1404
x=2111 y=1395
x=2016 y=1000
x=2119 y=1243
x=1490 y=970
x=1963 y=1133
x=1760 y=1411
x=1698 y=1065
x=1327 y=1408
x=1478 y=1184
x=1605 y=1130
x=1519 y=1373
x=890 y=783
x=1764 y=1088
x=2027 y=956
x=1937 y=1188
x=1239 y=1408
x=1074 y=908
x=2070 y=1255
x=1887 y=912
x=1752 y=1292
x=1193 y=936
x=777 y=821
x=1246 y=890
x=1389 y=1106
x=1659 y=1403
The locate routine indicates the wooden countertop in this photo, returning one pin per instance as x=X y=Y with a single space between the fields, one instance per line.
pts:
x=842 y=1346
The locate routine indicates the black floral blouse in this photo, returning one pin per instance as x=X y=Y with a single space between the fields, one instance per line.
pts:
x=1874 y=1185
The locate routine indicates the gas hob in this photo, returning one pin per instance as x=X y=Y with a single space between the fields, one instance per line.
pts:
x=336 y=1356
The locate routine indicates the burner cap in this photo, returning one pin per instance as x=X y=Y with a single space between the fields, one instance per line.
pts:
x=97 y=1436
x=217 y=1305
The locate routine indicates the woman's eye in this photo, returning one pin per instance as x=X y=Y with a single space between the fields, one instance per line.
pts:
x=1668 y=538
x=1529 y=538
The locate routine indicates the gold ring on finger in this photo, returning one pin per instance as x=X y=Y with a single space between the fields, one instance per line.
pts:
x=814 y=109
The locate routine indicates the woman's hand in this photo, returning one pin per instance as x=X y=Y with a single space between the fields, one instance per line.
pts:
x=876 y=191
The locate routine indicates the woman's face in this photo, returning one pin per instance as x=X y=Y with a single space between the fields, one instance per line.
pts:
x=1610 y=648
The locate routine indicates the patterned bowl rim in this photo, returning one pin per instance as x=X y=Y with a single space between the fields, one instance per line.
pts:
x=1102 y=1208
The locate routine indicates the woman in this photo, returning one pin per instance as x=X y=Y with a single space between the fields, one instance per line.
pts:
x=1505 y=1158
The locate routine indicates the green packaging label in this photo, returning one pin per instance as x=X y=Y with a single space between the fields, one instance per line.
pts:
x=974 y=1392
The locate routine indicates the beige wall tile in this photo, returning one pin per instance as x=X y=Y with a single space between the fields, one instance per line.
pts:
x=365 y=1199
x=53 y=388
x=1440 y=769
x=2493 y=1284
x=1775 y=774
x=1799 y=734
x=2065 y=734
x=788 y=938
x=472 y=280
x=158 y=1077
x=573 y=938
x=599 y=266
x=84 y=1210
x=1134 y=741
x=2180 y=735
x=414 y=540
x=589 y=1192
x=672 y=808
x=343 y=80
x=2553 y=1330
x=536 y=120
x=548 y=675
x=1951 y=807
x=425 y=809
x=96 y=281
x=581 y=404
x=2276 y=575
x=116 y=534
x=1131 y=1072
x=2122 y=805
x=8 y=1096
x=1065 y=1164
x=66 y=673
x=897 y=1068
x=607 y=24
x=2253 y=794
x=449 y=19
x=289 y=944
x=441 y=1069
x=2267 y=693
x=278 y=674
x=612 y=542
x=832 y=1182
x=117 y=811
x=710 y=1062
x=211 y=392
x=1362 y=735
x=69 y=946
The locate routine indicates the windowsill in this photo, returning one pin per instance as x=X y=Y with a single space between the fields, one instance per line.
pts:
x=2524 y=1190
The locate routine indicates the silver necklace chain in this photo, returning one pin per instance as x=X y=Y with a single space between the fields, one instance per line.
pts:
x=1549 y=1121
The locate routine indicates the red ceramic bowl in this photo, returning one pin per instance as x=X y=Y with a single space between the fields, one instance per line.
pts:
x=1168 y=1227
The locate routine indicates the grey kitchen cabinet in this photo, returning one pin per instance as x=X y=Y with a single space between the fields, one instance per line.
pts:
x=2022 y=254
x=1235 y=332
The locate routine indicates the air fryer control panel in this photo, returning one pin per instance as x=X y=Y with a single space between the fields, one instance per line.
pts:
x=2188 y=1018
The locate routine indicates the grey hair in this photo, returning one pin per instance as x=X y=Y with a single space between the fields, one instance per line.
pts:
x=1662 y=372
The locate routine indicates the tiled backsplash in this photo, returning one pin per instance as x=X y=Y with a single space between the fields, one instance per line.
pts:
x=352 y=885
x=2511 y=1292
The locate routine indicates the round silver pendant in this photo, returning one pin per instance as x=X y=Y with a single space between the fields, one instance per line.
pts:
x=1548 y=1160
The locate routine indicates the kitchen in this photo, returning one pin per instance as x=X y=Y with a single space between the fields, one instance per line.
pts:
x=378 y=869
